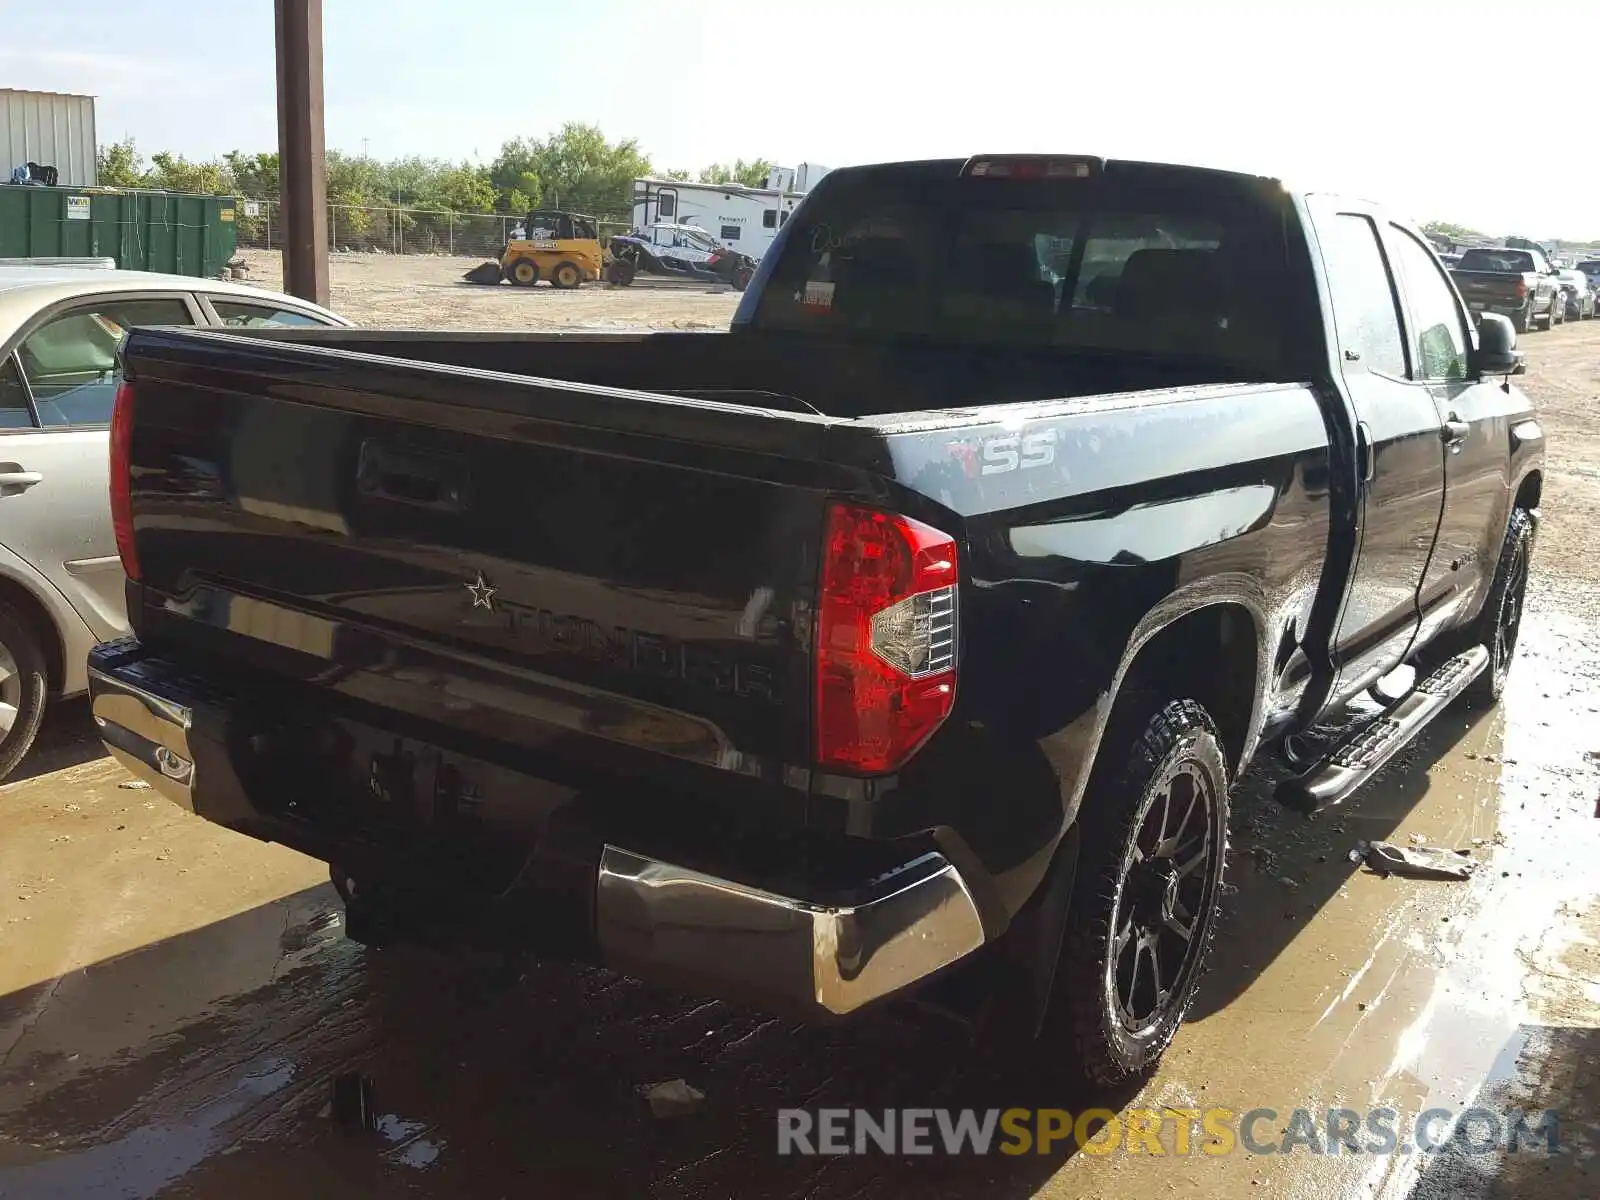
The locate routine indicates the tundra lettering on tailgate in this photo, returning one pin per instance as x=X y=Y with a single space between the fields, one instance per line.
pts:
x=701 y=665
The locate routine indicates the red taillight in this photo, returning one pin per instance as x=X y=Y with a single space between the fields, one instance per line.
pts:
x=1522 y=287
x=122 y=479
x=886 y=638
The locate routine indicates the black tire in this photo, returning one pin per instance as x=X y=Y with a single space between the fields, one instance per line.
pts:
x=1523 y=318
x=620 y=273
x=1500 y=620
x=1548 y=321
x=523 y=272
x=742 y=278
x=1094 y=1020
x=24 y=688
x=566 y=275
x=1558 y=311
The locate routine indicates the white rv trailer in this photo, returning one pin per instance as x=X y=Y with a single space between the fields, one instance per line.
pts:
x=745 y=219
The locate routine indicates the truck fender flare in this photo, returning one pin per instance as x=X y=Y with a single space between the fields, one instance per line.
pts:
x=1178 y=606
x=1034 y=934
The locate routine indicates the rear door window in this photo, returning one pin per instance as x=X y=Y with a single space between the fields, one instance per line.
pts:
x=242 y=315
x=71 y=360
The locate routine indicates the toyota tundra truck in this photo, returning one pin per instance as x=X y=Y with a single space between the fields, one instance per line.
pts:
x=1516 y=283
x=906 y=637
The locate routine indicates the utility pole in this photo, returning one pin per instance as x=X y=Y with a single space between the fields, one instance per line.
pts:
x=302 y=153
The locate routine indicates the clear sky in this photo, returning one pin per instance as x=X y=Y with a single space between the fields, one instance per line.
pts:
x=1479 y=111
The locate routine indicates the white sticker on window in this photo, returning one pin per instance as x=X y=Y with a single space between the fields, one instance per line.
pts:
x=817 y=296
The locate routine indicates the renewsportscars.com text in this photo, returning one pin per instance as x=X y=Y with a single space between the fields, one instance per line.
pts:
x=1163 y=1131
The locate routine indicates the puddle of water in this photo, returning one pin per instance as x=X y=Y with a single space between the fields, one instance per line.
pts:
x=413 y=1150
x=1470 y=1036
x=142 y=1162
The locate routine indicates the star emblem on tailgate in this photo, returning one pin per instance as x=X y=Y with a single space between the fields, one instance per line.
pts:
x=482 y=592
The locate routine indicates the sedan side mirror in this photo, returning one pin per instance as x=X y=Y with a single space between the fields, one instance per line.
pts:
x=1497 y=352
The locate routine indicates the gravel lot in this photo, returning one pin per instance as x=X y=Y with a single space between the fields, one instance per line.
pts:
x=427 y=292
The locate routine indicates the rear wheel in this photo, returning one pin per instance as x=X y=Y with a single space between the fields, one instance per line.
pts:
x=1523 y=318
x=24 y=685
x=566 y=275
x=620 y=273
x=524 y=272
x=1155 y=837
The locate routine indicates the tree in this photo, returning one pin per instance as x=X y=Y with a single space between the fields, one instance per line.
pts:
x=580 y=170
x=465 y=188
x=515 y=176
x=175 y=173
x=752 y=174
x=680 y=176
x=120 y=165
x=254 y=175
x=356 y=181
x=1448 y=229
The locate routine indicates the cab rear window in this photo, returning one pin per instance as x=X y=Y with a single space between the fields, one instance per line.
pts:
x=1096 y=264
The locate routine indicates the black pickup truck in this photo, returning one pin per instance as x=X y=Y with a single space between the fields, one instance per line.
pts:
x=910 y=633
x=1516 y=283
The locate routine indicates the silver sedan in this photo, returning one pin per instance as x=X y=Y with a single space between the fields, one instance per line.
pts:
x=61 y=583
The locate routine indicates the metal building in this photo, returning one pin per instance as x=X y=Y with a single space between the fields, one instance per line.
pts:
x=53 y=129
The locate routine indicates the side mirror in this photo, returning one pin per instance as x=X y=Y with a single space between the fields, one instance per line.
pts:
x=1497 y=352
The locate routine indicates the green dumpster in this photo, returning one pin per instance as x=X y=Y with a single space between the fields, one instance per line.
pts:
x=144 y=231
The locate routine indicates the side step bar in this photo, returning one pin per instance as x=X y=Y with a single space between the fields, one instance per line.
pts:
x=1363 y=752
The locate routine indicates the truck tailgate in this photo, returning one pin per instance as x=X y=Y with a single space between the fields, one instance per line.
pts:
x=525 y=560
x=1490 y=286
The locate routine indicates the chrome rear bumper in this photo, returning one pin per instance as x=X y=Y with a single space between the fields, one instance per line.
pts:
x=651 y=918
x=146 y=733
x=658 y=920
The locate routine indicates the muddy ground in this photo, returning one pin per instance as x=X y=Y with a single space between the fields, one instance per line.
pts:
x=174 y=999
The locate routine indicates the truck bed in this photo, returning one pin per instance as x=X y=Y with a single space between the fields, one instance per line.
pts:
x=838 y=378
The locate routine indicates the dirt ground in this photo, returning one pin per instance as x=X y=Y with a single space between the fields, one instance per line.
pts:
x=174 y=999
x=426 y=292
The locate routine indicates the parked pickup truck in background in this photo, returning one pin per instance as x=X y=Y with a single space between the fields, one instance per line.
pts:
x=1520 y=284
x=911 y=633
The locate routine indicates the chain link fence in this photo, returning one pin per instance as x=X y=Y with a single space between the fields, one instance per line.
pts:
x=395 y=229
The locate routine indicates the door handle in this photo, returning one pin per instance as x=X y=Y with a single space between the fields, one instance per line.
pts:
x=1454 y=431
x=20 y=479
